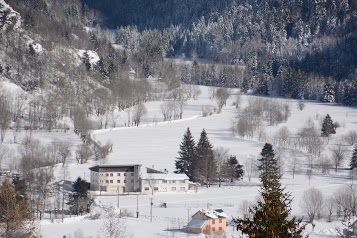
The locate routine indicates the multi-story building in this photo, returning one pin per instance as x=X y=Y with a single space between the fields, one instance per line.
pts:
x=115 y=178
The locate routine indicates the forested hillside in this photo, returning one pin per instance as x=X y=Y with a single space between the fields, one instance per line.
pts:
x=286 y=45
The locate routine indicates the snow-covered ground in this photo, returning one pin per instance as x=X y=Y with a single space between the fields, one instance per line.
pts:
x=155 y=144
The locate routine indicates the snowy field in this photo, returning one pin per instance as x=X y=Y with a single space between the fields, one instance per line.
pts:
x=156 y=143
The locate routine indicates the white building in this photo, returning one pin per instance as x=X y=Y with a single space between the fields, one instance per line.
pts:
x=163 y=182
x=115 y=178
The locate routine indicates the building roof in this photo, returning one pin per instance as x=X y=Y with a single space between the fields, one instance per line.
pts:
x=170 y=176
x=196 y=223
x=107 y=166
x=218 y=213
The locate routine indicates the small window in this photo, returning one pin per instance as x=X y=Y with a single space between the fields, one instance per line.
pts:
x=220 y=220
x=118 y=174
x=173 y=188
x=132 y=174
x=182 y=189
x=213 y=221
x=132 y=181
x=124 y=174
x=124 y=181
x=111 y=174
x=213 y=229
x=164 y=181
x=220 y=228
x=111 y=181
x=118 y=181
x=156 y=188
x=106 y=174
x=106 y=181
x=147 y=188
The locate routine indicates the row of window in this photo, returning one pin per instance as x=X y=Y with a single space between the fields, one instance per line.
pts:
x=118 y=181
x=168 y=181
x=118 y=174
x=214 y=229
x=172 y=188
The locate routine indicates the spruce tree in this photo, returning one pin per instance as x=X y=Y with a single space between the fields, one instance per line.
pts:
x=187 y=155
x=353 y=164
x=262 y=88
x=79 y=201
x=271 y=213
x=234 y=169
x=327 y=126
x=267 y=162
x=205 y=163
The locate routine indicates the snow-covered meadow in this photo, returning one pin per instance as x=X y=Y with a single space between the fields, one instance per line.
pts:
x=156 y=143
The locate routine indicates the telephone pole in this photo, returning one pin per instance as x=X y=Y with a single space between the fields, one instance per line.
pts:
x=137 y=205
x=151 y=209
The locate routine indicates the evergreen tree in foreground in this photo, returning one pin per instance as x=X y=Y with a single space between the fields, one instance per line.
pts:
x=186 y=157
x=271 y=213
x=205 y=163
x=327 y=126
x=267 y=161
x=353 y=164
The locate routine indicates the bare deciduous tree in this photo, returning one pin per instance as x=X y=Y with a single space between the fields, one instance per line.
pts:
x=83 y=154
x=4 y=152
x=351 y=137
x=63 y=150
x=330 y=206
x=338 y=155
x=5 y=115
x=139 y=112
x=113 y=226
x=250 y=167
x=167 y=109
x=245 y=208
x=301 y=105
x=221 y=156
x=222 y=94
x=312 y=203
x=293 y=163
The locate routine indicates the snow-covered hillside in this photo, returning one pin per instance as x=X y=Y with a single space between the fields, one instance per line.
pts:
x=155 y=144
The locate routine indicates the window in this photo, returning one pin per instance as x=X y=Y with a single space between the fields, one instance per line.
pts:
x=213 y=222
x=106 y=181
x=124 y=174
x=132 y=181
x=173 y=181
x=132 y=174
x=118 y=174
x=106 y=174
x=118 y=181
x=173 y=188
x=182 y=189
x=146 y=188
x=164 y=181
x=220 y=228
x=213 y=229
x=220 y=220
x=111 y=181
x=124 y=181
x=156 y=188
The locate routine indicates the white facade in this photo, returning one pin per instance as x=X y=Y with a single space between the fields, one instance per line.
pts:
x=115 y=178
x=164 y=183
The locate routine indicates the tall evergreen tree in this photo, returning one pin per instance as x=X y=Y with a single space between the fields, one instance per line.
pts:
x=262 y=87
x=234 y=169
x=271 y=213
x=327 y=126
x=353 y=163
x=184 y=163
x=79 y=201
x=267 y=161
x=205 y=163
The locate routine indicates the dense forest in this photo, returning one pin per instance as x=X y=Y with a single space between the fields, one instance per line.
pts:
x=291 y=41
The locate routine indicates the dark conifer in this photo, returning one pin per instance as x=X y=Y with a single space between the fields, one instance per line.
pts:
x=234 y=169
x=267 y=161
x=187 y=155
x=205 y=163
x=353 y=164
x=327 y=126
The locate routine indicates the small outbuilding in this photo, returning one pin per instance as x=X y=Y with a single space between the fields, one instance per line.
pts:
x=208 y=222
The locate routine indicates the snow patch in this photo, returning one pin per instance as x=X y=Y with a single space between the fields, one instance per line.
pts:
x=93 y=56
